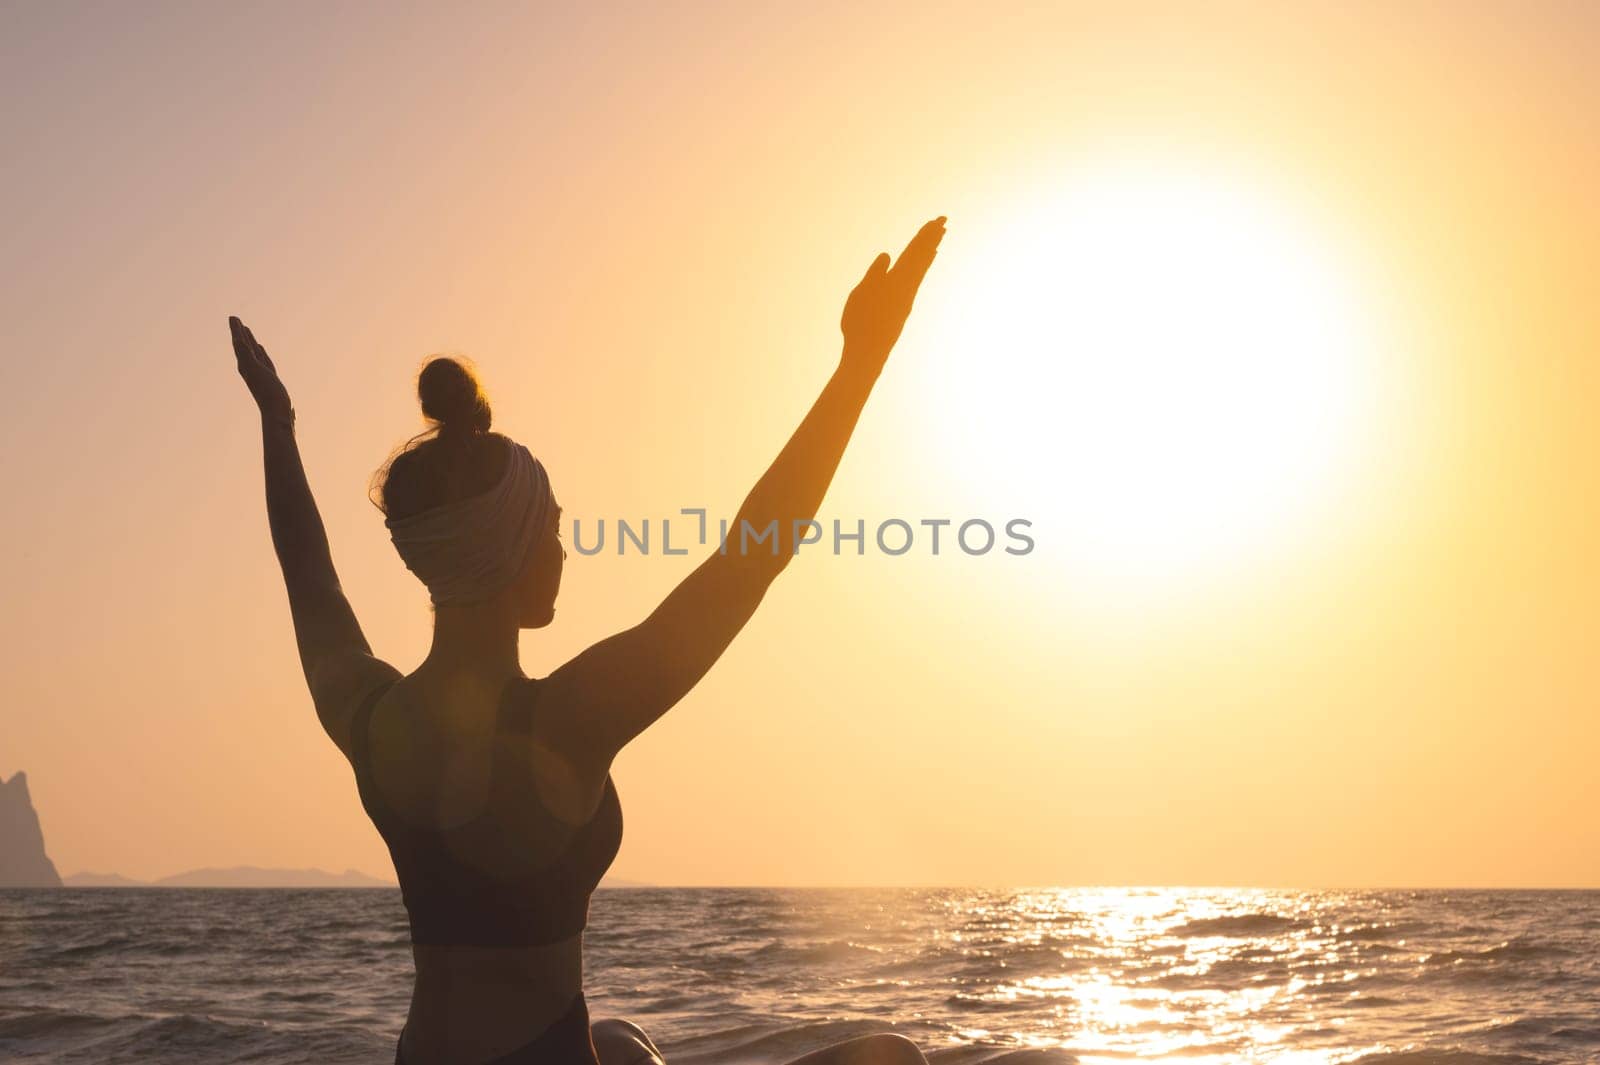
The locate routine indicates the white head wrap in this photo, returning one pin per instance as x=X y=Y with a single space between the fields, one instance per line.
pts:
x=470 y=550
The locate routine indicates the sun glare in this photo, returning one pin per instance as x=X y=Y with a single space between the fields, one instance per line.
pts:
x=1161 y=368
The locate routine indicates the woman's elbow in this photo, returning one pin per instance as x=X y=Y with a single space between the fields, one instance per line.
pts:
x=766 y=549
x=753 y=561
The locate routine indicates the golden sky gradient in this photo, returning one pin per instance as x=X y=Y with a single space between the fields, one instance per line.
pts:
x=642 y=225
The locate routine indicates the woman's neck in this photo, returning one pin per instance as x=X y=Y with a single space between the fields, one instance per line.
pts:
x=480 y=639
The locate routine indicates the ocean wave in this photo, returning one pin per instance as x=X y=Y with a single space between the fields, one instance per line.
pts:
x=1224 y=974
x=1572 y=1029
x=1240 y=926
x=976 y=1054
x=112 y=944
x=48 y=1025
x=1509 y=951
x=764 y=1044
x=1449 y=1056
x=827 y=951
x=1384 y=933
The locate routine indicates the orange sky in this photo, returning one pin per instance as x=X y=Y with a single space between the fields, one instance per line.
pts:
x=642 y=226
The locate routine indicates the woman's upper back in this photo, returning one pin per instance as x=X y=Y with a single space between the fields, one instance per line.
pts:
x=482 y=857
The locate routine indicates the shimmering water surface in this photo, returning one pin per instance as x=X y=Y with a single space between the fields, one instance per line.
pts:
x=729 y=975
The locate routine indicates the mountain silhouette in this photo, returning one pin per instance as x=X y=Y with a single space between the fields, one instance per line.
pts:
x=23 y=862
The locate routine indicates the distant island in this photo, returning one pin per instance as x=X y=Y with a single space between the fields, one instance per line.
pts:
x=23 y=862
x=240 y=876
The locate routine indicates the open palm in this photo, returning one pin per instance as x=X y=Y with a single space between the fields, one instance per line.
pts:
x=877 y=309
x=260 y=376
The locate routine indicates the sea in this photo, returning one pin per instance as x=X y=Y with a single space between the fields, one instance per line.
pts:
x=728 y=975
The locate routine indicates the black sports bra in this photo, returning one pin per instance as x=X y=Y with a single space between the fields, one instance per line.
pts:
x=476 y=884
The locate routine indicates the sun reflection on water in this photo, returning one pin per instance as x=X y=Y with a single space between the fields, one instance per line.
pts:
x=1196 y=976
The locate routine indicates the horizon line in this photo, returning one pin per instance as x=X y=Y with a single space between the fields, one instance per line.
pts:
x=630 y=883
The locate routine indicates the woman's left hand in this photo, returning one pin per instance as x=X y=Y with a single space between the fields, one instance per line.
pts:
x=260 y=376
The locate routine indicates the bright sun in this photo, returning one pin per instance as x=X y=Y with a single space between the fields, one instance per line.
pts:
x=1160 y=368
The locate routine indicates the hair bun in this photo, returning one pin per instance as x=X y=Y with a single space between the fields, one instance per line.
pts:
x=452 y=397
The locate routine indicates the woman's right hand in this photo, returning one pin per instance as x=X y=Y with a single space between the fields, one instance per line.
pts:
x=260 y=376
x=878 y=307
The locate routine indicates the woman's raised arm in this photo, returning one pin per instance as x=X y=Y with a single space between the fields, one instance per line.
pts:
x=337 y=660
x=615 y=689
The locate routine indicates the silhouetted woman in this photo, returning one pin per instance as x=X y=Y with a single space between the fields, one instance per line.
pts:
x=491 y=789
